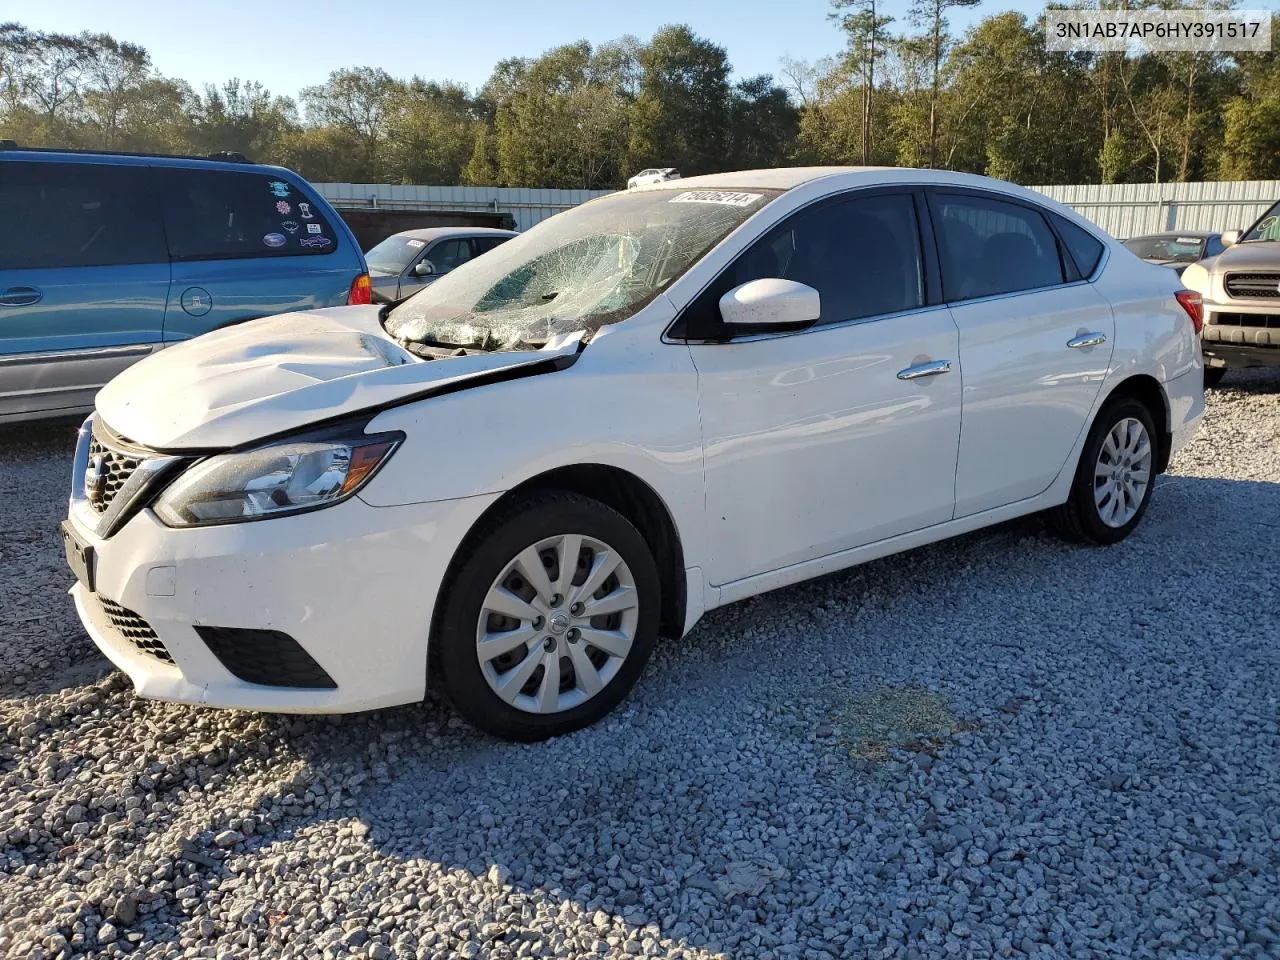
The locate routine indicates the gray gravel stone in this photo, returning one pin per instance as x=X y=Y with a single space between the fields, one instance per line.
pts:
x=1106 y=787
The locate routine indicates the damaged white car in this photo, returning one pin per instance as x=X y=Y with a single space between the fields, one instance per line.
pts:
x=656 y=403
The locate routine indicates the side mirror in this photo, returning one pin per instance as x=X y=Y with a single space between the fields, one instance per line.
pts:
x=424 y=268
x=771 y=304
x=1231 y=238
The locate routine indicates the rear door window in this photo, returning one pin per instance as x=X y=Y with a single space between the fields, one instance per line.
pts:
x=989 y=247
x=221 y=215
x=447 y=254
x=485 y=244
x=77 y=215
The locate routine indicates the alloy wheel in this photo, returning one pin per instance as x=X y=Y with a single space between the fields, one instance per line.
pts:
x=557 y=624
x=1122 y=473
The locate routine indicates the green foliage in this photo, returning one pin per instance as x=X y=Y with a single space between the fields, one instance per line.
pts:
x=993 y=101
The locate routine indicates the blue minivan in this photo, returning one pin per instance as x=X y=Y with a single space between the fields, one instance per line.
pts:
x=105 y=258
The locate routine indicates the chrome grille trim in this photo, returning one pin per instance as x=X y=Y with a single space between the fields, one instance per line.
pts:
x=132 y=471
x=1252 y=286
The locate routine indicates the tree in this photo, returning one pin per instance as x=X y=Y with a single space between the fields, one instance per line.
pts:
x=357 y=103
x=762 y=123
x=866 y=36
x=931 y=14
x=681 y=115
x=561 y=120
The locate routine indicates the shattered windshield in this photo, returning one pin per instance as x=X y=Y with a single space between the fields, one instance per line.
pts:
x=589 y=266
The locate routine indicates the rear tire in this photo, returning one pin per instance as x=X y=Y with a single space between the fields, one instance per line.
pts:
x=520 y=652
x=1213 y=376
x=1114 y=478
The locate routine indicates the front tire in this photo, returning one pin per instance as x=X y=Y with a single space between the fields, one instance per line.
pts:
x=1114 y=479
x=550 y=617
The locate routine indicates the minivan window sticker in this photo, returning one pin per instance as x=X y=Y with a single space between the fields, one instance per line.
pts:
x=726 y=198
x=284 y=208
x=274 y=239
x=290 y=226
x=318 y=242
x=313 y=228
x=304 y=210
x=279 y=188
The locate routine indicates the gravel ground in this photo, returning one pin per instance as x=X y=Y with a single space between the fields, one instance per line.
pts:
x=1001 y=745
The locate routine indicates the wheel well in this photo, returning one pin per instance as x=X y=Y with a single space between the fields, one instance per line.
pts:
x=635 y=500
x=1149 y=393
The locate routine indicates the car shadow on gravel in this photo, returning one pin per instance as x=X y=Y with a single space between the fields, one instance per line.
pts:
x=718 y=809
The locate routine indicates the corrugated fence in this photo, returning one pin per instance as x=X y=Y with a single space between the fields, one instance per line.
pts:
x=1123 y=210
x=1131 y=209
x=526 y=205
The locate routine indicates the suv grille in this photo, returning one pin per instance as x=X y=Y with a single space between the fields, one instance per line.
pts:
x=136 y=630
x=1253 y=286
x=113 y=464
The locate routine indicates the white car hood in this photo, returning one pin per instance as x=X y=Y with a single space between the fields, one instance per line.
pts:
x=281 y=373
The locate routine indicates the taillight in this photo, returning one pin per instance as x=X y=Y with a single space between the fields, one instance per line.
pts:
x=1193 y=303
x=361 y=291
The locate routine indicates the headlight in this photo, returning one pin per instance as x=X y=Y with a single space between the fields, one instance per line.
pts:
x=290 y=476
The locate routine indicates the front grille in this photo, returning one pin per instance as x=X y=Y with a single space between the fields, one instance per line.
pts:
x=1253 y=286
x=1270 y=321
x=268 y=657
x=113 y=465
x=136 y=630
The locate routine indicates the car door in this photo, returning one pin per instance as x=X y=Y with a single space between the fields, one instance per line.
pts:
x=246 y=244
x=826 y=439
x=83 y=280
x=1035 y=343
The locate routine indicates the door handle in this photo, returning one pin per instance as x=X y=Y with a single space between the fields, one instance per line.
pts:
x=1087 y=340
x=20 y=296
x=931 y=369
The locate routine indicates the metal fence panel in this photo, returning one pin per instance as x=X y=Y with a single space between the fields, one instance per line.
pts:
x=1122 y=209
x=525 y=204
x=1131 y=209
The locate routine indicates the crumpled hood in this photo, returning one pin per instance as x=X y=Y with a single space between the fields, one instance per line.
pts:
x=280 y=373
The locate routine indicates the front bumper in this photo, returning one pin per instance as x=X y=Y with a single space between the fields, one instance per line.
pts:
x=1241 y=335
x=354 y=585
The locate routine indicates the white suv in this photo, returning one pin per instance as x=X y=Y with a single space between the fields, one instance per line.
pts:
x=656 y=403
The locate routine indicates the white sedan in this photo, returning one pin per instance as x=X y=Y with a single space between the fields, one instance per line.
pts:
x=656 y=403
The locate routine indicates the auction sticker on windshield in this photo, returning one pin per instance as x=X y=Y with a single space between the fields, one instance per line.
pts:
x=724 y=197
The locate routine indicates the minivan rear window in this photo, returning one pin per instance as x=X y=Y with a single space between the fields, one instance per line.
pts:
x=77 y=215
x=219 y=215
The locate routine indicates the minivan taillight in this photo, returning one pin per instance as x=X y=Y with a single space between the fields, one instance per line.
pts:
x=1193 y=303
x=361 y=291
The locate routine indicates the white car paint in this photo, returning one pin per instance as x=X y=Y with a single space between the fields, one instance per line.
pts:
x=777 y=457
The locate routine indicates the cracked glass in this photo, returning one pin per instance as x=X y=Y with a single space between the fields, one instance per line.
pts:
x=593 y=265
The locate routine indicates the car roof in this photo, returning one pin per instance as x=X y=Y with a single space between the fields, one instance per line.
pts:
x=124 y=158
x=436 y=233
x=788 y=178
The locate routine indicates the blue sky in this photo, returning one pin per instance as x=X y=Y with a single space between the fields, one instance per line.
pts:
x=290 y=44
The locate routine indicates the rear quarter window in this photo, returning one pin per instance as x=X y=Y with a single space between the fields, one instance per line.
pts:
x=1084 y=248
x=220 y=215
